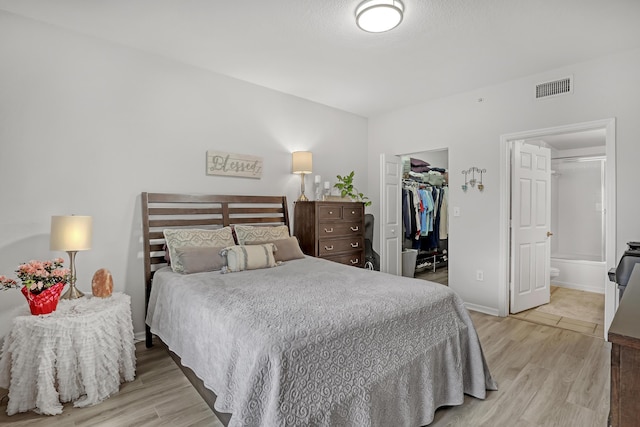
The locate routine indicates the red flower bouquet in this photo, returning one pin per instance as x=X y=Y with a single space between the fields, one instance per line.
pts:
x=42 y=283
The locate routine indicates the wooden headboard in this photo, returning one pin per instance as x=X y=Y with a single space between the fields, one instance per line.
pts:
x=161 y=211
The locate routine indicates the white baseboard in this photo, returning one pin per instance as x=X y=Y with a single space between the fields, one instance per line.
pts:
x=577 y=287
x=139 y=336
x=481 y=309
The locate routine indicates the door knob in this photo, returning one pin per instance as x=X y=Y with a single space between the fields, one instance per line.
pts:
x=549 y=234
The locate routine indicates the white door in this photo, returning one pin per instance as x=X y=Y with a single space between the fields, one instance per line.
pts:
x=390 y=214
x=530 y=226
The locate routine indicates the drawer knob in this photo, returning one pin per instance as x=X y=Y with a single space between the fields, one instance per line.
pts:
x=355 y=261
x=353 y=212
x=330 y=212
x=356 y=228
x=328 y=248
x=355 y=245
x=330 y=230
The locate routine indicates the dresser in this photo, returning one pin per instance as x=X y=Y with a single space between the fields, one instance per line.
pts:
x=624 y=335
x=331 y=230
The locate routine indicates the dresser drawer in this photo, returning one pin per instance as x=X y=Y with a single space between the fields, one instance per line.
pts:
x=329 y=247
x=355 y=259
x=353 y=213
x=329 y=230
x=329 y=212
x=336 y=211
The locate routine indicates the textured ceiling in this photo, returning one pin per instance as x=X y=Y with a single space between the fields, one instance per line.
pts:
x=313 y=49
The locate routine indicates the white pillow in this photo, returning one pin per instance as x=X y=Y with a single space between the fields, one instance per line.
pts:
x=241 y=258
x=250 y=233
x=180 y=238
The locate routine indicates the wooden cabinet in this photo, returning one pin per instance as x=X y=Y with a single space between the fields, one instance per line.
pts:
x=624 y=335
x=331 y=230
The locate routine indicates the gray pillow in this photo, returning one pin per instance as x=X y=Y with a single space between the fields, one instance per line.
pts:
x=200 y=259
x=203 y=238
x=287 y=249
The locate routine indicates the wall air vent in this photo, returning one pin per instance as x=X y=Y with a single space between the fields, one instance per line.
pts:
x=554 y=88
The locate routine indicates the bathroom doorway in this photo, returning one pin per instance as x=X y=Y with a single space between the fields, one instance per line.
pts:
x=582 y=226
x=577 y=248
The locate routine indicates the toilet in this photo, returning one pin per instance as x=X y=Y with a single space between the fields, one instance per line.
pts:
x=554 y=273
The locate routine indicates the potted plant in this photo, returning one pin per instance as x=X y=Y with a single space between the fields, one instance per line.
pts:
x=42 y=284
x=345 y=185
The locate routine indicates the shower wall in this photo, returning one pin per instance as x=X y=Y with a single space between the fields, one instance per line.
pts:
x=577 y=209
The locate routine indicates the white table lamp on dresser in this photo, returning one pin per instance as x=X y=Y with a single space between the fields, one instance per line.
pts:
x=302 y=164
x=71 y=233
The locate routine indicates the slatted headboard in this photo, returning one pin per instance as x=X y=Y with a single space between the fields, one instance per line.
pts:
x=161 y=211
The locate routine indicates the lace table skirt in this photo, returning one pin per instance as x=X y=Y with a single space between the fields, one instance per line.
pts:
x=79 y=353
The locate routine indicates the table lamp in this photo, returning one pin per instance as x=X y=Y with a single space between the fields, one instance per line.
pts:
x=301 y=163
x=71 y=233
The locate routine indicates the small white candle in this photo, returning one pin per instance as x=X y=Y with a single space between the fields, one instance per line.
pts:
x=318 y=179
x=327 y=185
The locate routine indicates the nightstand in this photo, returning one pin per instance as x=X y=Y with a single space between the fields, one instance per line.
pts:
x=331 y=230
x=80 y=353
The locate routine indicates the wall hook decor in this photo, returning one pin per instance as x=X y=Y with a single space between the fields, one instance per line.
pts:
x=473 y=181
x=472 y=171
x=464 y=186
x=480 y=184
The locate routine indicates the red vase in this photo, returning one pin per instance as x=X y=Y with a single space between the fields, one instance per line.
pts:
x=46 y=301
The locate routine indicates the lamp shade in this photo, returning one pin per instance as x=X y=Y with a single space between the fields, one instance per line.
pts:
x=71 y=233
x=301 y=162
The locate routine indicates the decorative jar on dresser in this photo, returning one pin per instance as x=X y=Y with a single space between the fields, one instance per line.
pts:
x=331 y=230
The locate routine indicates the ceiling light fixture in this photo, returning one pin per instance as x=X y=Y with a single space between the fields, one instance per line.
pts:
x=378 y=16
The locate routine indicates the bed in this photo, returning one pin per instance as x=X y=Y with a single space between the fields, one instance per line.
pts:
x=309 y=342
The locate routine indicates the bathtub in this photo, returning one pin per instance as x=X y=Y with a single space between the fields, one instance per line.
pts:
x=579 y=273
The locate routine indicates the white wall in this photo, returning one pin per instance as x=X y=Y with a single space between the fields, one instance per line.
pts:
x=577 y=216
x=604 y=88
x=86 y=126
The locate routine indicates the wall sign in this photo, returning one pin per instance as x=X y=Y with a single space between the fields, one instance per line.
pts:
x=229 y=164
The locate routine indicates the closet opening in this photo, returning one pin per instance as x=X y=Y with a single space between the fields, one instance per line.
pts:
x=425 y=225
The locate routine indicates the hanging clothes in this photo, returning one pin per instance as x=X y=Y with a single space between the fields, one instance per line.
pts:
x=409 y=213
x=444 y=214
x=423 y=216
x=426 y=216
x=416 y=212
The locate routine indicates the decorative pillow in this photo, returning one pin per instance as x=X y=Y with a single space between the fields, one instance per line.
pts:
x=286 y=249
x=198 y=260
x=241 y=258
x=250 y=233
x=180 y=238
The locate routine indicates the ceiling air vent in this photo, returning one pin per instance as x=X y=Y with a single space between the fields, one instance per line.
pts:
x=554 y=88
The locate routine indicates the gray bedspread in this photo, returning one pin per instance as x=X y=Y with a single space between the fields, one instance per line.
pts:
x=316 y=343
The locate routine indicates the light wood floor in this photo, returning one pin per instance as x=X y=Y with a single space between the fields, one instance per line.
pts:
x=441 y=275
x=578 y=311
x=159 y=396
x=546 y=377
